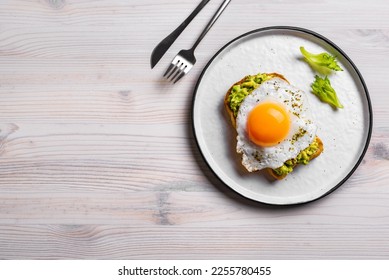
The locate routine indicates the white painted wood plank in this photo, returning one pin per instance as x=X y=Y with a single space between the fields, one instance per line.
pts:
x=97 y=154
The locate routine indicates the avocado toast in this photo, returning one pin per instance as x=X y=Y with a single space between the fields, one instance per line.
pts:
x=234 y=98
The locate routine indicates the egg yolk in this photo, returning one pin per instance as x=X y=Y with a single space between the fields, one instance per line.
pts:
x=268 y=124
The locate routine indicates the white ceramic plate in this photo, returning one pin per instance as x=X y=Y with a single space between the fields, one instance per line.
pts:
x=345 y=133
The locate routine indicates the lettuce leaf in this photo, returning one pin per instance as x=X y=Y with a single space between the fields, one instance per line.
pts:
x=322 y=88
x=322 y=60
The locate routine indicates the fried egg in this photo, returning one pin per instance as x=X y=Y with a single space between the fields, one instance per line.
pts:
x=273 y=125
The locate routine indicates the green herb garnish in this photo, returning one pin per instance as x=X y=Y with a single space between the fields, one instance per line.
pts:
x=322 y=88
x=322 y=60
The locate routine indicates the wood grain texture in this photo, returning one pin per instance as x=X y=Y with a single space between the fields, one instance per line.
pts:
x=97 y=155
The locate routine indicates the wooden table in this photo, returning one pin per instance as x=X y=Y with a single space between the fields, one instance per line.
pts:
x=97 y=155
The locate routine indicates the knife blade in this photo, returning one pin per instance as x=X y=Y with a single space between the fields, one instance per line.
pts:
x=165 y=44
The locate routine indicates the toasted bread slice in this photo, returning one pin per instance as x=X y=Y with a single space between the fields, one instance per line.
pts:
x=318 y=152
x=233 y=122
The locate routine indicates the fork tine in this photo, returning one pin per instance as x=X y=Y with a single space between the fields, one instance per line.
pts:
x=169 y=68
x=181 y=75
x=180 y=68
x=181 y=64
x=174 y=70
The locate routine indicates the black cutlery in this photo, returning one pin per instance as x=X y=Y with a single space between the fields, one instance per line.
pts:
x=165 y=44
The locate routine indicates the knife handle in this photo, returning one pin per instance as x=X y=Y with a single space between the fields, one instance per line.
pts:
x=169 y=40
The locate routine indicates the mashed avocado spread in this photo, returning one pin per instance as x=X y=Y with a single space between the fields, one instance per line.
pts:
x=302 y=158
x=239 y=92
x=235 y=99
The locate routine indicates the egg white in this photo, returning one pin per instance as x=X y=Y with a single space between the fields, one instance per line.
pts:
x=301 y=134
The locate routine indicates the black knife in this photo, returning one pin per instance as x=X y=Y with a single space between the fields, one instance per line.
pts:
x=165 y=44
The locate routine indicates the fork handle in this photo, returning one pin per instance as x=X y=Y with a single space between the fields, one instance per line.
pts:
x=211 y=23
